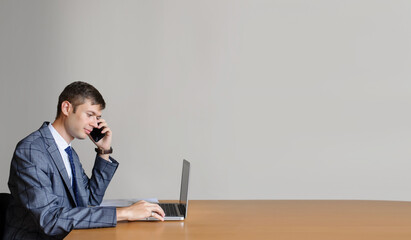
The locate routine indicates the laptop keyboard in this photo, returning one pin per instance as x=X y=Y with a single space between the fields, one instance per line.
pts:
x=169 y=209
x=182 y=209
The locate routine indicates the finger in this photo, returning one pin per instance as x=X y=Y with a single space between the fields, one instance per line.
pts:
x=102 y=124
x=105 y=130
x=158 y=216
x=158 y=210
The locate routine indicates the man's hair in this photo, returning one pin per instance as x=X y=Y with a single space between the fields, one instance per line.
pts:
x=77 y=93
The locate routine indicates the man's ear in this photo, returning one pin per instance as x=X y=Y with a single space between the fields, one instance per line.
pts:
x=66 y=108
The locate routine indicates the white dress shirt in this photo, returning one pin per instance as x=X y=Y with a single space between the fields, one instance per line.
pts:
x=62 y=145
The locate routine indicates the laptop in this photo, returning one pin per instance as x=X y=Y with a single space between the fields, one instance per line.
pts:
x=177 y=211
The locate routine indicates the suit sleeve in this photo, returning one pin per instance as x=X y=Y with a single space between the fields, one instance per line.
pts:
x=97 y=184
x=31 y=183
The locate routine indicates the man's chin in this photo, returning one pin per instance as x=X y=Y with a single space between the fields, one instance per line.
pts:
x=82 y=137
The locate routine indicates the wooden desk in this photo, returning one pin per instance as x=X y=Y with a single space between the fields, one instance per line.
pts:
x=272 y=219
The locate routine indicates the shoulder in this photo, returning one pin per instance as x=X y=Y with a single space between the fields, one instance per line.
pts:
x=34 y=143
x=34 y=140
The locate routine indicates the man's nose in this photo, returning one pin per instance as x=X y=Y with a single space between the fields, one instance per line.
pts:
x=94 y=123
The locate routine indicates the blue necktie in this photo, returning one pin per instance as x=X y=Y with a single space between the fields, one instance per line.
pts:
x=73 y=173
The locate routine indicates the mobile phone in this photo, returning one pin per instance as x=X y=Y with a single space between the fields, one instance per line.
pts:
x=96 y=134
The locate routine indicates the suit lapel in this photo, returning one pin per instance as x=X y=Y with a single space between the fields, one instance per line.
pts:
x=55 y=155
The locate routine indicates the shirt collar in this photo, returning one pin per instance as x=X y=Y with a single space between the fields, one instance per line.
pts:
x=61 y=143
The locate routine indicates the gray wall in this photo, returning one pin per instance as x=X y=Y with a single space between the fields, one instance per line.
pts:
x=267 y=99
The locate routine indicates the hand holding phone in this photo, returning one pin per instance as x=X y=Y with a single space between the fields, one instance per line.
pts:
x=102 y=131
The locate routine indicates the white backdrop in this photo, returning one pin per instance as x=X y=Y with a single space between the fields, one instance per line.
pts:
x=267 y=99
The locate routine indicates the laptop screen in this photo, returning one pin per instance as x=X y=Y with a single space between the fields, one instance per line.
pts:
x=184 y=182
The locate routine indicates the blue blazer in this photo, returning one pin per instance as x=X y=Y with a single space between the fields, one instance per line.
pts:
x=43 y=205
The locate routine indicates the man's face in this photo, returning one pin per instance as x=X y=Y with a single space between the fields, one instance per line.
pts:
x=82 y=122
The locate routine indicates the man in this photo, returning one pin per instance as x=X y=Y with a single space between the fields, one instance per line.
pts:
x=51 y=193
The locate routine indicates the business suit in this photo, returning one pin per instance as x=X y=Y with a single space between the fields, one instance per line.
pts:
x=43 y=205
